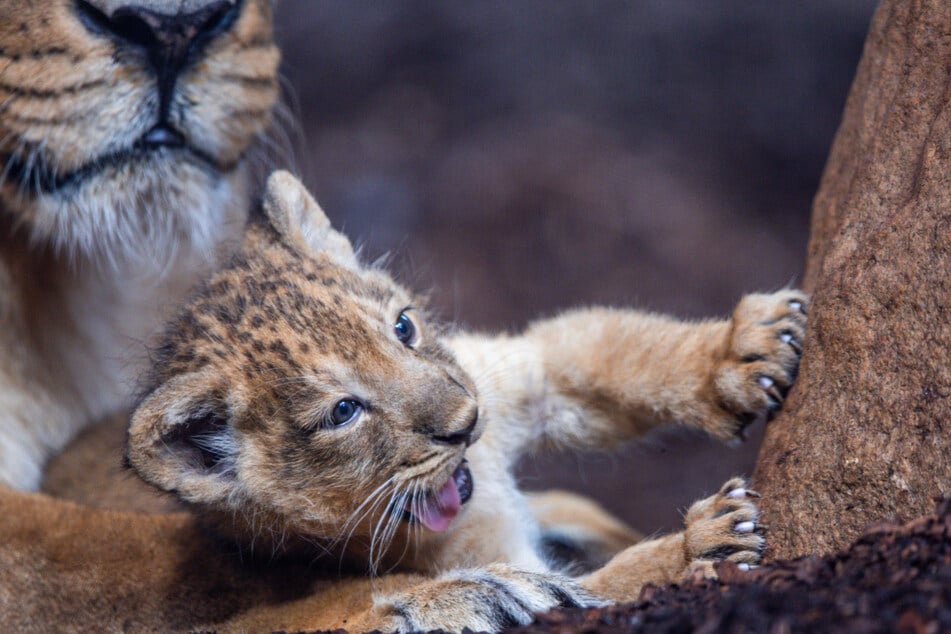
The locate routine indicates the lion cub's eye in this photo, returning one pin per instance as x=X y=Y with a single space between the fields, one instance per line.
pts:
x=345 y=411
x=405 y=329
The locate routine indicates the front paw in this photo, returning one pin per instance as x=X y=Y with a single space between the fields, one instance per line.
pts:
x=762 y=357
x=723 y=527
x=481 y=599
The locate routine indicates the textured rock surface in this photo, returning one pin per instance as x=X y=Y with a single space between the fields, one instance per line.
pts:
x=865 y=435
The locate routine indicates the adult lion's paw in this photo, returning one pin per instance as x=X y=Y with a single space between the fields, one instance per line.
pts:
x=723 y=527
x=481 y=599
x=762 y=356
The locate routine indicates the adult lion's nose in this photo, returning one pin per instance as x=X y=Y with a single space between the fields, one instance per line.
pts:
x=170 y=40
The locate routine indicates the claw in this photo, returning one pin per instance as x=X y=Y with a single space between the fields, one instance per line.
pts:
x=740 y=436
x=740 y=493
x=744 y=527
x=797 y=305
x=787 y=338
x=776 y=396
x=732 y=485
x=765 y=382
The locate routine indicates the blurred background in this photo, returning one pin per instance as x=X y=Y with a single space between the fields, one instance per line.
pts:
x=522 y=157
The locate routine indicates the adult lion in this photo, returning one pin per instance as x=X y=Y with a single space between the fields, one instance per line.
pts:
x=124 y=135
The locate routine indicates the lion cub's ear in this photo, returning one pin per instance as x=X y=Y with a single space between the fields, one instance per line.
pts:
x=300 y=221
x=181 y=438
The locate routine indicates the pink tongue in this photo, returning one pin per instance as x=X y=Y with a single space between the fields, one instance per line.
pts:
x=437 y=514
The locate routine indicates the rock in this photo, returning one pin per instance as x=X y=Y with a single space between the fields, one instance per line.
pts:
x=866 y=433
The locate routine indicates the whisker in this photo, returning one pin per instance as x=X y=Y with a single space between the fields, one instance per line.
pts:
x=393 y=530
x=373 y=537
x=411 y=527
x=374 y=500
x=353 y=518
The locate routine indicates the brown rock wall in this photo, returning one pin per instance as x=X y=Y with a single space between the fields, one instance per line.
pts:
x=866 y=434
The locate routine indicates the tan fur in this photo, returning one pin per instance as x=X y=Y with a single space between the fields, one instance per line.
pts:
x=99 y=240
x=78 y=569
x=235 y=422
x=90 y=472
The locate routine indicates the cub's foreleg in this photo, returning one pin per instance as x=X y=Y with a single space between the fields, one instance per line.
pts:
x=611 y=375
x=721 y=527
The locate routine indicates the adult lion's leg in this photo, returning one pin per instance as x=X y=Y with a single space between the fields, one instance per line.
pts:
x=90 y=471
x=67 y=566
x=77 y=568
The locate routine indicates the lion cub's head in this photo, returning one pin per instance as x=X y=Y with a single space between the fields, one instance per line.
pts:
x=302 y=394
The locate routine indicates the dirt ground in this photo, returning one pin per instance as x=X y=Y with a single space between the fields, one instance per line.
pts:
x=519 y=158
x=892 y=579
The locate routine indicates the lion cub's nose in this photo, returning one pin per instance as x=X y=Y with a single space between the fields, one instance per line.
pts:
x=460 y=436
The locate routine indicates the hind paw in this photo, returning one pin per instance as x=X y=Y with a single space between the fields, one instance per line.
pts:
x=725 y=527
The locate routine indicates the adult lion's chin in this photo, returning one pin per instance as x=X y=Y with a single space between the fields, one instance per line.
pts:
x=151 y=206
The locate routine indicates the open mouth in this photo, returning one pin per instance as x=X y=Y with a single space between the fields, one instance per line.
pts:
x=436 y=510
x=36 y=176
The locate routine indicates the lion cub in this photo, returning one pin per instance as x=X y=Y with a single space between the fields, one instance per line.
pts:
x=306 y=404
